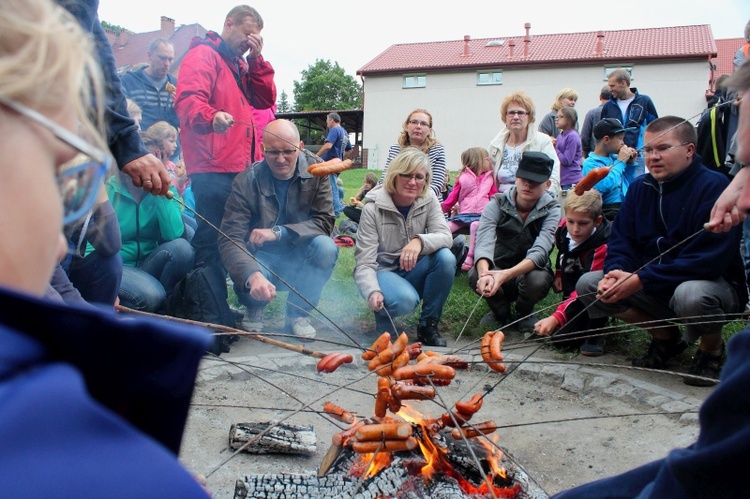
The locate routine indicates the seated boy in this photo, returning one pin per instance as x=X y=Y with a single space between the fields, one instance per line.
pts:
x=611 y=151
x=354 y=210
x=513 y=243
x=581 y=243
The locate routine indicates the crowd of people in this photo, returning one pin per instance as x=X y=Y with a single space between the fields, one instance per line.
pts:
x=111 y=396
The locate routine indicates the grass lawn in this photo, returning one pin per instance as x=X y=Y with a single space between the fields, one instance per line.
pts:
x=342 y=303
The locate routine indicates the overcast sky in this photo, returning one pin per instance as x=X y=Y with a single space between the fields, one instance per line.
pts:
x=353 y=33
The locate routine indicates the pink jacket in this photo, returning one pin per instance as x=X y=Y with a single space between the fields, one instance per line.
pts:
x=208 y=83
x=471 y=192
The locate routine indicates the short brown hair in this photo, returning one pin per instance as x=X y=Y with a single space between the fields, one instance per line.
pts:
x=521 y=99
x=239 y=13
x=589 y=202
x=682 y=128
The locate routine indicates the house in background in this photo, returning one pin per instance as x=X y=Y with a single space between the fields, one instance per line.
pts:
x=725 y=60
x=463 y=82
x=130 y=48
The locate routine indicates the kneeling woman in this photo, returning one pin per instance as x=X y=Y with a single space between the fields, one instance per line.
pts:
x=403 y=248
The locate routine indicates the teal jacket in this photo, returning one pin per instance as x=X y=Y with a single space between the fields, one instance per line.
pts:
x=145 y=224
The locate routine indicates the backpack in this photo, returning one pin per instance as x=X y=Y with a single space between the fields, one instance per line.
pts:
x=713 y=138
x=202 y=296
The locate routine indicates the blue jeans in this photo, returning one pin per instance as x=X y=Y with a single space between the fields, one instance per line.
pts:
x=306 y=266
x=211 y=191
x=430 y=281
x=97 y=277
x=337 y=192
x=146 y=287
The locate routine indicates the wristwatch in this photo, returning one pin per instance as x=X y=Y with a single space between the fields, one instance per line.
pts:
x=277 y=230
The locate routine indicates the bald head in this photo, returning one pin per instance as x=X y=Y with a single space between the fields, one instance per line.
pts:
x=284 y=129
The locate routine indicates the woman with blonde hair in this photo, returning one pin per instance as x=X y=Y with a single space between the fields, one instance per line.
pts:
x=417 y=132
x=518 y=112
x=109 y=396
x=403 y=252
x=567 y=97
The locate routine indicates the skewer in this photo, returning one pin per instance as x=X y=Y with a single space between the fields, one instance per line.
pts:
x=219 y=327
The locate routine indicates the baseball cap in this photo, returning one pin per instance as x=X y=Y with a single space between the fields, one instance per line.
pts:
x=609 y=127
x=535 y=167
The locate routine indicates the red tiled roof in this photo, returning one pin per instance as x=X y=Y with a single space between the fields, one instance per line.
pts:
x=726 y=49
x=635 y=44
x=133 y=53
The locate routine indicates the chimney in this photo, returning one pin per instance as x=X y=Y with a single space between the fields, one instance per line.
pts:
x=167 y=27
x=526 y=39
x=511 y=45
x=466 y=45
x=599 y=43
x=111 y=36
x=122 y=38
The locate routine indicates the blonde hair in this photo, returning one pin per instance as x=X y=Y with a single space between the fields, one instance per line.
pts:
x=154 y=137
x=473 y=159
x=429 y=141
x=589 y=202
x=565 y=93
x=47 y=64
x=407 y=162
x=520 y=99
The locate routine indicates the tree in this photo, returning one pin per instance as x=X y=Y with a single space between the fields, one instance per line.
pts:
x=283 y=105
x=326 y=86
x=112 y=27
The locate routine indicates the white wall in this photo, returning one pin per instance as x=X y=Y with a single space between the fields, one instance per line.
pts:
x=467 y=115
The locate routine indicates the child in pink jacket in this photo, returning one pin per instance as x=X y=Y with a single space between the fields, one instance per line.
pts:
x=474 y=188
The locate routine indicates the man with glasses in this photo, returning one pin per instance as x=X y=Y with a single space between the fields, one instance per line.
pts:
x=662 y=268
x=216 y=93
x=282 y=216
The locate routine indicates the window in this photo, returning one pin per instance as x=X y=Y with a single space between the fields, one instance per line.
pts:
x=608 y=71
x=490 y=77
x=415 y=81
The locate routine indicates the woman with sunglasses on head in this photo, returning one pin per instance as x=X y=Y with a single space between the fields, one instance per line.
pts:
x=518 y=112
x=403 y=252
x=97 y=403
x=418 y=132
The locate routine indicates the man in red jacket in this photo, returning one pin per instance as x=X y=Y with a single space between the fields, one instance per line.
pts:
x=216 y=94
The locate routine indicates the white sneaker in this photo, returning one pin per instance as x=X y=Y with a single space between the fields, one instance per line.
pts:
x=253 y=319
x=301 y=327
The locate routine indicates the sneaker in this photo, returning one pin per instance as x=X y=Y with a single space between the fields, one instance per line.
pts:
x=593 y=347
x=526 y=324
x=659 y=352
x=301 y=327
x=429 y=334
x=252 y=320
x=707 y=366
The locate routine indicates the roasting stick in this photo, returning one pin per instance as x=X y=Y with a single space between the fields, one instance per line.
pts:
x=468 y=319
x=242 y=248
x=227 y=329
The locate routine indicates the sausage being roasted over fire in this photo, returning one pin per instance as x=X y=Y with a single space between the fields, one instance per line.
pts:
x=338 y=413
x=435 y=371
x=483 y=428
x=385 y=446
x=333 y=361
x=383 y=431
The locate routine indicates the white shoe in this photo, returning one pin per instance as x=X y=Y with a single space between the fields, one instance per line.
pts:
x=301 y=327
x=253 y=319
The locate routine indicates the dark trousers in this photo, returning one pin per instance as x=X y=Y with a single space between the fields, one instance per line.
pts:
x=211 y=191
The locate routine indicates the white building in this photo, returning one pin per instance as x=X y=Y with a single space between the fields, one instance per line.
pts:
x=462 y=82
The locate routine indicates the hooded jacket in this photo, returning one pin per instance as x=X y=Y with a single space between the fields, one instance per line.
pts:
x=383 y=233
x=471 y=193
x=640 y=113
x=99 y=404
x=655 y=217
x=156 y=103
x=210 y=81
x=587 y=256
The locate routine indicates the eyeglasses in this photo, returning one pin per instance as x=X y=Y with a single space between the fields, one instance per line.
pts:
x=659 y=150
x=417 y=122
x=79 y=184
x=517 y=113
x=286 y=152
x=417 y=176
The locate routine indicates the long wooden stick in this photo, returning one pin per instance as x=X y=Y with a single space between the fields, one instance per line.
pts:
x=227 y=329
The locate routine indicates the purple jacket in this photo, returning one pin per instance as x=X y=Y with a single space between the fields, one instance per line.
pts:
x=569 y=150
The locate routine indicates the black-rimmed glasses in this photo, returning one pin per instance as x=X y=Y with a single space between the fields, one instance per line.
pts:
x=78 y=184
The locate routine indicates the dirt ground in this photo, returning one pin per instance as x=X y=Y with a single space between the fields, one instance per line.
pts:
x=557 y=455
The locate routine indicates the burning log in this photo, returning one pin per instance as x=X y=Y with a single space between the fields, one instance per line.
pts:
x=283 y=438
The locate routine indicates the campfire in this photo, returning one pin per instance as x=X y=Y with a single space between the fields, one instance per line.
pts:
x=399 y=451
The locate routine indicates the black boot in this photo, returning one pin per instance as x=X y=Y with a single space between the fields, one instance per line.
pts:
x=429 y=335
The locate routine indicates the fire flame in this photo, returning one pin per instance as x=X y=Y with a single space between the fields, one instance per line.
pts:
x=369 y=465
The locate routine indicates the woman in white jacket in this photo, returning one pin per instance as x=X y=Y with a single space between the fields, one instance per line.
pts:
x=403 y=248
x=518 y=114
